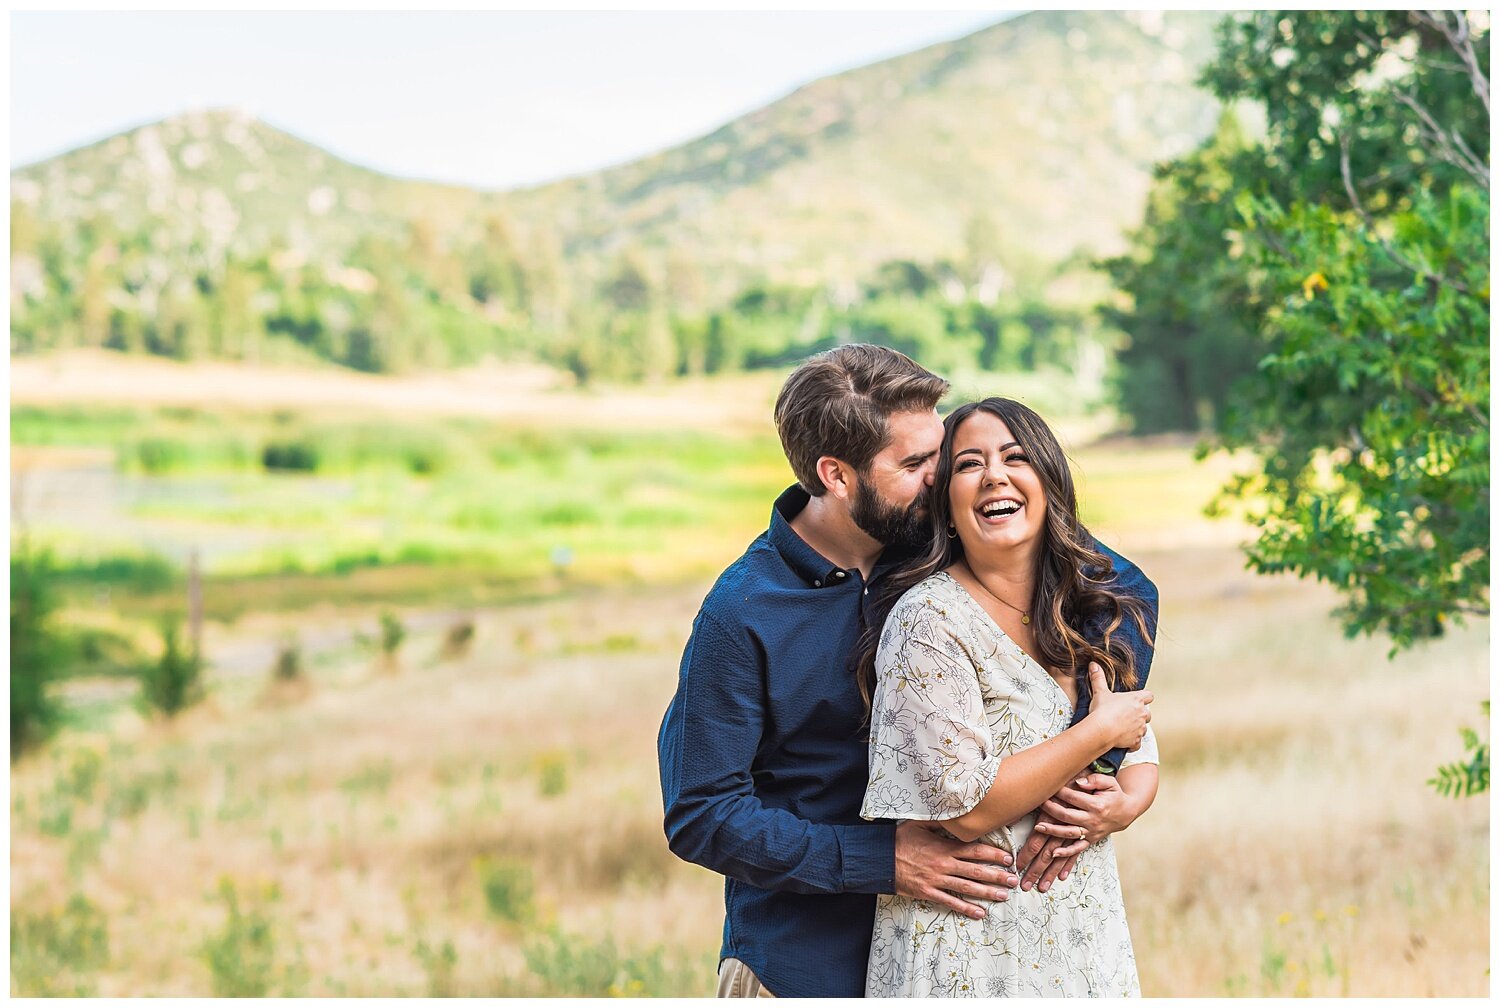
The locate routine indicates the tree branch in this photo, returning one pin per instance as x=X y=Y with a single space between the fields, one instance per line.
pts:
x=1448 y=145
x=1462 y=42
x=1364 y=215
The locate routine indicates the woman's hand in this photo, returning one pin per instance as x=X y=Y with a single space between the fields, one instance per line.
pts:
x=1096 y=805
x=1122 y=716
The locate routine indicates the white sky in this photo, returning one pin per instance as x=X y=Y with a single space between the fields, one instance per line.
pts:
x=488 y=99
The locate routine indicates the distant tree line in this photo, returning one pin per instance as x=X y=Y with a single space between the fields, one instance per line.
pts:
x=428 y=300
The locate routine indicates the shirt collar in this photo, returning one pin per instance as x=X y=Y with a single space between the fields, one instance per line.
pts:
x=810 y=565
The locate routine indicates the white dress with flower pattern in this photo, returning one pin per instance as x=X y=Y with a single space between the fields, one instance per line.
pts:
x=953 y=697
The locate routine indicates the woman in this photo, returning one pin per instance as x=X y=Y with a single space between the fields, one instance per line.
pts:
x=972 y=683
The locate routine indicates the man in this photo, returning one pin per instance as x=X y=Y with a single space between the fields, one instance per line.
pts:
x=763 y=748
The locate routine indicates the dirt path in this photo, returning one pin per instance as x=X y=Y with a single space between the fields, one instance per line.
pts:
x=528 y=393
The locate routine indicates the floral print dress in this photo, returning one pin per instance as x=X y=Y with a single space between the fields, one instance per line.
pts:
x=953 y=697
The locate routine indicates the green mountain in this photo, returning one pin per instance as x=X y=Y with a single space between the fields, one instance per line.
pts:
x=1010 y=156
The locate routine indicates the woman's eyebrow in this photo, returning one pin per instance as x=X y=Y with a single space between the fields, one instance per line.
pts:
x=1005 y=447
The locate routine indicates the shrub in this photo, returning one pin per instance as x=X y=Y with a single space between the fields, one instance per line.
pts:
x=170 y=449
x=392 y=633
x=241 y=956
x=507 y=889
x=144 y=572
x=288 y=665
x=292 y=455
x=573 y=966
x=551 y=774
x=439 y=965
x=37 y=654
x=52 y=952
x=172 y=683
x=458 y=639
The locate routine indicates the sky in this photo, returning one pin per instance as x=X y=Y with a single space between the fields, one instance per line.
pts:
x=485 y=99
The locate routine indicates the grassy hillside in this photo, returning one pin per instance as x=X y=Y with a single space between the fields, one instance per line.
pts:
x=1044 y=126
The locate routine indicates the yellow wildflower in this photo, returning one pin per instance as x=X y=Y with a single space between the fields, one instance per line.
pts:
x=1284 y=919
x=1313 y=282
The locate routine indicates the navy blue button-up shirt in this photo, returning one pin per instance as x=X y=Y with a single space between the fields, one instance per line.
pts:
x=763 y=755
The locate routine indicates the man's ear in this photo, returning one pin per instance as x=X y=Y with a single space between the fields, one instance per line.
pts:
x=838 y=477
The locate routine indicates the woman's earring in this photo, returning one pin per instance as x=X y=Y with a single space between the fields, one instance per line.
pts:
x=952 y=531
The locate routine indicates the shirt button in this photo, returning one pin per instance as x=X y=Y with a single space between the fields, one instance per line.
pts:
x=817 y=584
x=839 y=574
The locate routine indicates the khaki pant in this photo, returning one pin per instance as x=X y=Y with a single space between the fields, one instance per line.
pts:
x=736 y=981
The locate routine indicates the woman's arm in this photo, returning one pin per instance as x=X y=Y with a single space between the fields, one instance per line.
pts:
x=1027 y=778
x=1100 y=805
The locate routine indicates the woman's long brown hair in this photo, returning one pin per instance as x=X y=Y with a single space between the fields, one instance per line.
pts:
x=1073 y=578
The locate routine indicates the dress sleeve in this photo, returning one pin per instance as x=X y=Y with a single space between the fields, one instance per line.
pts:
x=1145 y=754
x=932 y=752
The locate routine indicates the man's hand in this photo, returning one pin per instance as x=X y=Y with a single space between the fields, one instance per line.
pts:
x=949 y=873
x=1085 y=812
x=1045 y=859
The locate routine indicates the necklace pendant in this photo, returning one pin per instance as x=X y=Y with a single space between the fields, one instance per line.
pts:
x=1025 y=620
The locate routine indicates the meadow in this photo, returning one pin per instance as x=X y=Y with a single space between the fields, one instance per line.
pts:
x=481 y=815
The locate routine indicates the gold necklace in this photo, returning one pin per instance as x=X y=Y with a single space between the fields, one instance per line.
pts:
x=1025 y=616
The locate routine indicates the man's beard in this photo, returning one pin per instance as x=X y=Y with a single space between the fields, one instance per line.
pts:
x=904 y=528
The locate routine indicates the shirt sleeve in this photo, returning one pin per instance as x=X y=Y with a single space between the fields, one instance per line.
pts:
x=706 y=749
x=932 y=752
x=1145 y=754
x=1129 y=580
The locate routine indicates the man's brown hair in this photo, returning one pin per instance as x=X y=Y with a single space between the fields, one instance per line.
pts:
x=837 y=404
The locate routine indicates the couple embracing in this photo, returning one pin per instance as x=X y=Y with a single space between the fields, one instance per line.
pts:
x=910 y=715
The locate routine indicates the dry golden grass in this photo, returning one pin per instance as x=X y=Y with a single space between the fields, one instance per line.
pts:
x=1293 y=849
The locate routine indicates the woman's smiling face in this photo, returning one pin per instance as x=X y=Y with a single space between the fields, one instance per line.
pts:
x=996 y=496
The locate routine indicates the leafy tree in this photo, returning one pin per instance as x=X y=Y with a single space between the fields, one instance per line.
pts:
x=1370 y=411
x=1371 y=416
x=1363 y=242
x=722 y=350
x=1472 y=775
x=174 y=682
x=1188 y=301
x=658 y=345
x=628 y=287
x=495 y=268
x=903 y=276
x=917 y=327
x=37 y=653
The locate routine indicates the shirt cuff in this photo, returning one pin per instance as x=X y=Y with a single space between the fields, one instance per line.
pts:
x=1109 y=763
x=869 y=857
